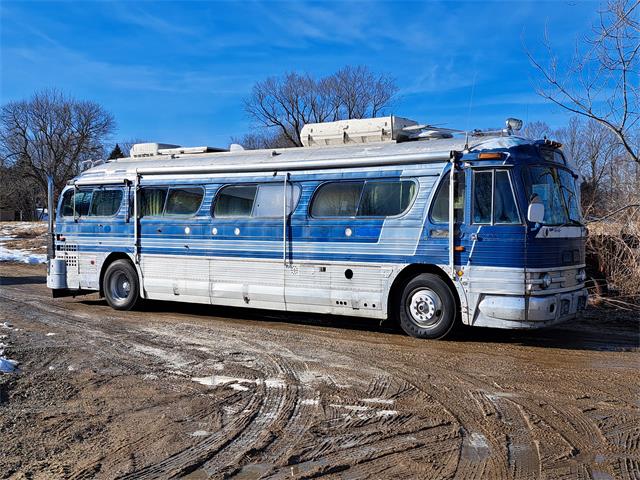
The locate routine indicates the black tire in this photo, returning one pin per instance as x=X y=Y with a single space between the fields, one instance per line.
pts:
x=120 y=286
x=427 y=308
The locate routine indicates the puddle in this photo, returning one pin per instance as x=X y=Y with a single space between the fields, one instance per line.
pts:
x=475 y=447
x=252 y=472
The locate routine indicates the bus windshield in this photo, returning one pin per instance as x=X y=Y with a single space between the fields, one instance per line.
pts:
x=557 y=190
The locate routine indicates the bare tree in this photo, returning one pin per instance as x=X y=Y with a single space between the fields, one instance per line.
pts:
x=536 y=130
x=51 y=134
x=289 y=102
x=601 y=81
x=263 y=139
x=126 y=144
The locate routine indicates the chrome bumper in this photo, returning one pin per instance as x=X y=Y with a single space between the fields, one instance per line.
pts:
x=502 y=311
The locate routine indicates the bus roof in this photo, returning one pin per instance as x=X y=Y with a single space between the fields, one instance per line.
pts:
x=300 y=158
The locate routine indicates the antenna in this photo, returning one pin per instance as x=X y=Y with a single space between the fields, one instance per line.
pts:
x=473 y=88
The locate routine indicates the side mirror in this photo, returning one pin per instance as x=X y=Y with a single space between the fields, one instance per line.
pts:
x=535 y=213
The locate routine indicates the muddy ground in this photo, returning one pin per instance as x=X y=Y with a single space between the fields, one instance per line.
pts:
x=197 y=392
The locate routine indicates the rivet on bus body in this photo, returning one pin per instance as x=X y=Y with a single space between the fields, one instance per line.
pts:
x=187 y=230
x=237 y=231
x=347 y=232
x=214 y=231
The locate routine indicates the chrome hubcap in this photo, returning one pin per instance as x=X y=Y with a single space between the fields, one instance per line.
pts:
x=120 y=286
x=425 y=307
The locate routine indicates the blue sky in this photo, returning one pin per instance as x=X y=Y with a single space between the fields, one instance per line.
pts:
x=178 y=71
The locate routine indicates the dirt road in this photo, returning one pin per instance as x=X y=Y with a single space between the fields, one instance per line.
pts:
x=177 y=390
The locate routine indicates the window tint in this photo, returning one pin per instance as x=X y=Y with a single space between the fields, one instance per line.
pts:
x=184 y=201
x=235 y=201
x=440 y=209
x=106 y=203
x=269 y=201
x=152 y=201
x=67 y=203
x=504 y=205
x=482 y=185
x=384 y=199
x=337 y=199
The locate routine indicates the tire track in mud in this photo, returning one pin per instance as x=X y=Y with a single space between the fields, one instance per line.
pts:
x=405 y=411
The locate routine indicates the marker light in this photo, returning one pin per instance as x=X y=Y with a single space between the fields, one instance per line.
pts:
x=490 y=156
x=546 y=280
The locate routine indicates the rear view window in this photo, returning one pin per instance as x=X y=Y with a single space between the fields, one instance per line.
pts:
x=152 y=201
x=235 y=201
x=106 y=203
x=184 y=201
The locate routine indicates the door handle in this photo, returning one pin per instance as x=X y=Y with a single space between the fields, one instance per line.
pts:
x=474 y=237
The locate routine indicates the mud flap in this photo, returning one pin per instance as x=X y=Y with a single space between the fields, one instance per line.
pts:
x=66 y=292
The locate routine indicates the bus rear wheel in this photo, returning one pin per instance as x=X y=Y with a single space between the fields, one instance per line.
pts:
x=427 y=307
x=120 y=285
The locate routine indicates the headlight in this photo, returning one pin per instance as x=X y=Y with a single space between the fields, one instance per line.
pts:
x=581 y=276
x=546 y=280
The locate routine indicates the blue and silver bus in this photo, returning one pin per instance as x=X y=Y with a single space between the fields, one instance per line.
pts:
x=381 y=218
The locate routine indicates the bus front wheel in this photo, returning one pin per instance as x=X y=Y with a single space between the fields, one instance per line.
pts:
x=120 y=285
x=427 y=307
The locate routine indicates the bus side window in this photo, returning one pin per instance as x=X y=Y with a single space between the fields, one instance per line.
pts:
x=440 y=206
x=337 y=199
x=386 y=198
x=235 y=201
x=269 y=201
x=106 y=203
x=482 y=196
x=184 y=201
x=66 y=210
x=152 y=201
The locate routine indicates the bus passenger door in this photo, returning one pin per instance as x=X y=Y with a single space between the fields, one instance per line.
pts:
x=494 y=236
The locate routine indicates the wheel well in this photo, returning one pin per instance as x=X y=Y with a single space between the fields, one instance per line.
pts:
x=108 y=261
x=406 y=275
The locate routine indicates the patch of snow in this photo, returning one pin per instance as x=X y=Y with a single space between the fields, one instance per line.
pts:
x=21 y=256
x=51 y=334
x=354 y=408
x=199 y=433
x=51 y=367
x=310 y=401
x=150 y=376
x=386 y=413
x=274 y=383
x=71 y=368
x=385 y=401
x=7 y=325
x=7 y=365
x=238 y=383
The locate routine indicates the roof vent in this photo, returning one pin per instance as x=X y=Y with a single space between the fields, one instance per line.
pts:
x=154 y=149
x=345 y=132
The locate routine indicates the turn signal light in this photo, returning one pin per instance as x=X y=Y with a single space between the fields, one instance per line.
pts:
x=490 y=156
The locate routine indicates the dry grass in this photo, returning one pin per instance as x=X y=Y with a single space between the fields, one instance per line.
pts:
x=616 y=247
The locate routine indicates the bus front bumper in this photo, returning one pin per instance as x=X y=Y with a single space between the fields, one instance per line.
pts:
x=502 y=311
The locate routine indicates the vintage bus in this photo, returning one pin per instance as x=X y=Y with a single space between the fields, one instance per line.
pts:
x=380 y=218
